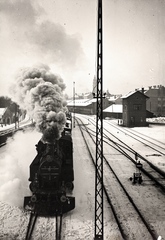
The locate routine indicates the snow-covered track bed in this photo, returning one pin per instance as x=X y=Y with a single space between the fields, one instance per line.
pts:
x=15 y=222
x=133 y=205
x=149 y=142
x=152 y=171
x=117 y=139
x=33 y=223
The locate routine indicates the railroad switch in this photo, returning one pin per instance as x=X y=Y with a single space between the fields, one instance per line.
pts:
x=137 y=176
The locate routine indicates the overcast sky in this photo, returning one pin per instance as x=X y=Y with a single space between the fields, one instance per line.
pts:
x=62 y=34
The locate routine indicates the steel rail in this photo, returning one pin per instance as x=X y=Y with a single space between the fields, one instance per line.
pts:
x=58 y=226
x=31 y=225
x=123 y=146
x=149 y=228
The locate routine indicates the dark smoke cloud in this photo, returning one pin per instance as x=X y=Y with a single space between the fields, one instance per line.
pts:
x=40 y=92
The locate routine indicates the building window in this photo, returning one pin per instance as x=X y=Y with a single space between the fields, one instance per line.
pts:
x=137 y=107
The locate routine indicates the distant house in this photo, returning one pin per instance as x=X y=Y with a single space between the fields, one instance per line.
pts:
x=2 y=111
x=82 y=106
x=134 y=109
x=113 y=111
x=114 y=99
x=85 y=106
x=6 y=116
x=156 y=101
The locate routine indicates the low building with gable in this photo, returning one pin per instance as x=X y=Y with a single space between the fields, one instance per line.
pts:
x=134 y=109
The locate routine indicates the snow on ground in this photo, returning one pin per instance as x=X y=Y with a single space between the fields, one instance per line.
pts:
x=78 y=224
x=153 y=130
x=156 y=132
x=156 y=120
x=25 y=122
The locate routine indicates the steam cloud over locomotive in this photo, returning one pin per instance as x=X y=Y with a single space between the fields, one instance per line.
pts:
x=41 y=93
x=51 y=172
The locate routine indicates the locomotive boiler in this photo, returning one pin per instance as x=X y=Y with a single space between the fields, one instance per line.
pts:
x=51 y=177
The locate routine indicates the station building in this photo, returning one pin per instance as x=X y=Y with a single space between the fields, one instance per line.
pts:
x=134 y=109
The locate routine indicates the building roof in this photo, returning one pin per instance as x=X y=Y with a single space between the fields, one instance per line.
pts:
x=2 y=111
x=112 y=98
x=114 y=108
x=80 y=102
x=132 y=93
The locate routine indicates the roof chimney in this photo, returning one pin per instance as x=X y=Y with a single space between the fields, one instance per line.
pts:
x=143 y=90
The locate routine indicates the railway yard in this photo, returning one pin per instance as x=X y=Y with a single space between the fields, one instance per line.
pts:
x=134 y=184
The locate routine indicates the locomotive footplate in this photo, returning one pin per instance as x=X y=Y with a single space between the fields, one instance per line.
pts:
x=49 y=207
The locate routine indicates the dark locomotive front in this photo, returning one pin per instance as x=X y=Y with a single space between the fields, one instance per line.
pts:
x=45 y=171
x=52 y=176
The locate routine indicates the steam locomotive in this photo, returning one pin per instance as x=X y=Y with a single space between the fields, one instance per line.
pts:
x=51 y=177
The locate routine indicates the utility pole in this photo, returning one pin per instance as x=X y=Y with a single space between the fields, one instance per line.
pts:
x=99 y=133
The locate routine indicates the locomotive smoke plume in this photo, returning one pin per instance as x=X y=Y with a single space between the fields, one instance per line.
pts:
x=40 y=92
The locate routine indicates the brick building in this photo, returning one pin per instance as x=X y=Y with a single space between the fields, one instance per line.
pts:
x=156 y=101
x=134 y=109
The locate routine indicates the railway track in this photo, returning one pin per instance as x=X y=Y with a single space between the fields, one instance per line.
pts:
x=33 y=221
x=123 y=196
x=149 y=169
x=149 y=142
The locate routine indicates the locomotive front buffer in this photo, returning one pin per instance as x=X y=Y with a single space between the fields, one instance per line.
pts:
x=49 y=205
